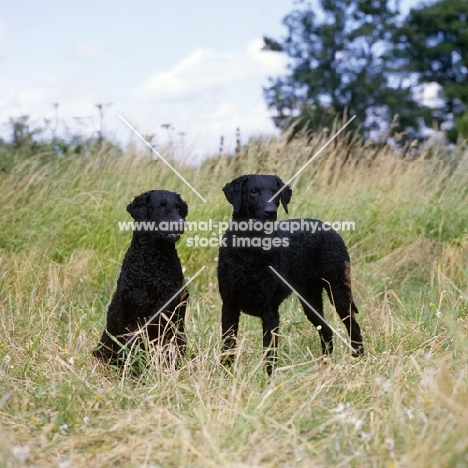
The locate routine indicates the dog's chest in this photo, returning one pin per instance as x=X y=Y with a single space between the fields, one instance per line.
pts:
x=157 y=275
x=248 y=279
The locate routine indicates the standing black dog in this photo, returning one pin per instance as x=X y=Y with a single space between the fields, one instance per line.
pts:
x=150 y=277
x=308 y=261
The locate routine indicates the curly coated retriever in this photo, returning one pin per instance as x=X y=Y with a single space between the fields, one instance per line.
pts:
x=308 y=261
x=151 y=276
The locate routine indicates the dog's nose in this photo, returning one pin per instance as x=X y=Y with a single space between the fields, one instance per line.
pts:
x=270 y=209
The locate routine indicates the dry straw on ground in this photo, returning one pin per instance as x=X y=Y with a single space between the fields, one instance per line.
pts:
x=404 y=404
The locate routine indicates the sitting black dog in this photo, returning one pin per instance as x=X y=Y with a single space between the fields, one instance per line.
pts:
x=308 y=261
x=151 y=278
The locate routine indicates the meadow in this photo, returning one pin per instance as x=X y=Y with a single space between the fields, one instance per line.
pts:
x=404 y=404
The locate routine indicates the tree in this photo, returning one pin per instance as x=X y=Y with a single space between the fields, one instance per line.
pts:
x=433 y=42
x=340 y=62
x=21 y=133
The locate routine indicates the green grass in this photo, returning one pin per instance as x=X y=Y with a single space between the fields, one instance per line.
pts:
x=404 y=404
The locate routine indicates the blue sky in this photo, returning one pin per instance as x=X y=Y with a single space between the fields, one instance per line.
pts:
x=196 y=65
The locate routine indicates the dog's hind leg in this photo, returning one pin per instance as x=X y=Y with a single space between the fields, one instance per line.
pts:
x=313 y=308
x=341 y=297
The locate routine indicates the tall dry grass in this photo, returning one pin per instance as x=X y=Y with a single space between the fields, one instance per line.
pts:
x=404 y=404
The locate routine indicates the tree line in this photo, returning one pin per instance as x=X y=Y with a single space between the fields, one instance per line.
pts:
x=363 y=58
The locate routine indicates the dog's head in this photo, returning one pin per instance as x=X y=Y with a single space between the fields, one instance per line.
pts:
x=164 y=213
x=257 y=196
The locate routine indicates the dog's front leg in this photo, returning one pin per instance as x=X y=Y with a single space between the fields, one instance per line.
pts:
x=230 y=327
x=270 y=322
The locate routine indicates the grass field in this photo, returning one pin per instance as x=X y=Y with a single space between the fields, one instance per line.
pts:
x=404 y=404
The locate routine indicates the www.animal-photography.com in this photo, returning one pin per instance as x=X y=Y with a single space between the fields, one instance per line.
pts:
x=234 y=235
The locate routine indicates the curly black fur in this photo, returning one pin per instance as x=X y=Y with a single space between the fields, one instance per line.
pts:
x=309 y=262
x=151 y=274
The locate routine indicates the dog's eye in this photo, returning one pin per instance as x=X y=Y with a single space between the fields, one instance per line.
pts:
x=254 y=191
x=162 y=206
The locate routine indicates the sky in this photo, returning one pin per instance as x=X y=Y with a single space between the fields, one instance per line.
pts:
x=183 y=71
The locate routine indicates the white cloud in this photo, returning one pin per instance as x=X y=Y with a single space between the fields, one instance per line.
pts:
x=88 y=51
x=226 y=117
x=37 y=98
x=203 y=122
x=204 y=70
x=2 y=37
x=254 y=120
x=207 y=95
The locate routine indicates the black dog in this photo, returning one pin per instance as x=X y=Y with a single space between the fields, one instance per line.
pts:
x=151 y=276
x=309 y=262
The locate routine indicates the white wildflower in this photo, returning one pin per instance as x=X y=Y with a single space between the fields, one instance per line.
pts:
x=358 y=423
x=63 y=429
x=21 y=453
x=389 y=443
x=366 y=436
x=341 y=407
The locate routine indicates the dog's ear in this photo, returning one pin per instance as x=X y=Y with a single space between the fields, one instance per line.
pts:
x=233 y=192
x=139 y=207
x=285 y=195
x=183 y=206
